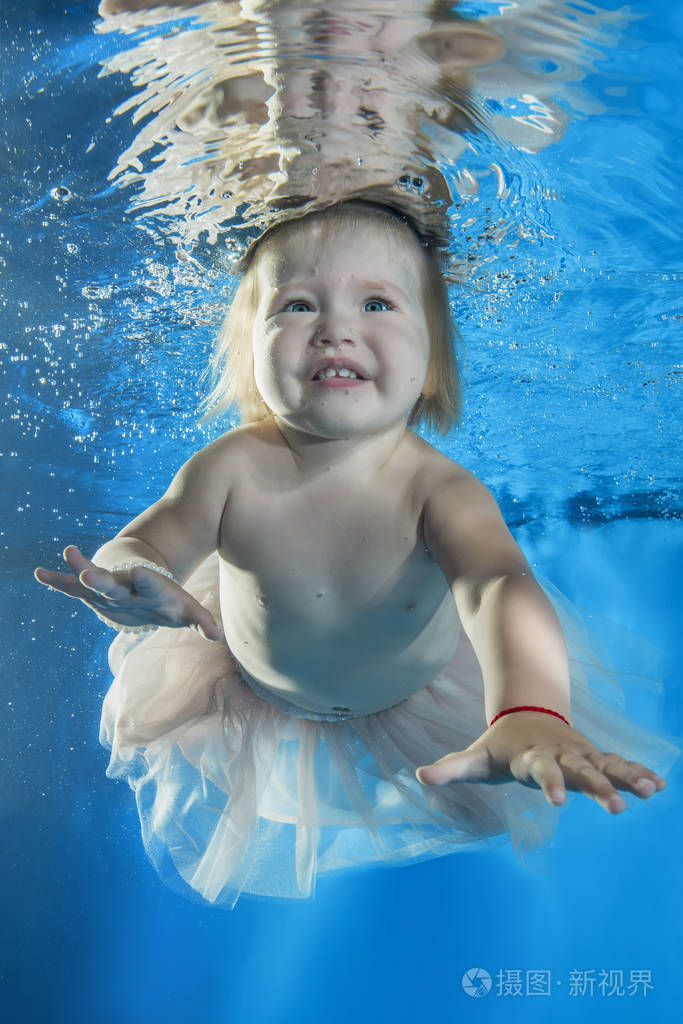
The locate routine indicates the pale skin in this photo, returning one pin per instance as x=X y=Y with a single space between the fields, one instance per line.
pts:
x=349 y=548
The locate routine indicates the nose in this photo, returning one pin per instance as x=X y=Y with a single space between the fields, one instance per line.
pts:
x=332 y=333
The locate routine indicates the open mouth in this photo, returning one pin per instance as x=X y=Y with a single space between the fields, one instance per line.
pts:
x=343 y=370
x=343 y=373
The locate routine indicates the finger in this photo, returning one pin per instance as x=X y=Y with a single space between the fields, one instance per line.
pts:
x=100 y=581
x=48 y=577
x=199 y=618
x=76 y=560
x=151 y=584
x=209 y=629
x=469 y=765
x=582 y=776
x=144 y=582
x=545 y=772
x=60 y=581
x=629 y=775
x=97 y=580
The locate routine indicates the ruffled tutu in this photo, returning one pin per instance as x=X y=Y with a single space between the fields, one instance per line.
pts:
x=237 y=794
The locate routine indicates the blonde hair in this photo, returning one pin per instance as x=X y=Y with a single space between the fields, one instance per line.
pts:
x=232 y=366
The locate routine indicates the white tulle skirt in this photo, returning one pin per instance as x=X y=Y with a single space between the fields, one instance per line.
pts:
x=239 y=794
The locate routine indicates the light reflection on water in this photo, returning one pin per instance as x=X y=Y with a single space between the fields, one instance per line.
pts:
x=256 y=107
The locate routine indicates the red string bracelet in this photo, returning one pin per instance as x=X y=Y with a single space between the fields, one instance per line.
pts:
x=528 y=707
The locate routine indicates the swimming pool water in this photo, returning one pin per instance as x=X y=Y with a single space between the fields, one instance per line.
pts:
x=571 y=319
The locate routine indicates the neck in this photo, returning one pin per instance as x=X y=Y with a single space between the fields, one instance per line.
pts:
x=359 y=456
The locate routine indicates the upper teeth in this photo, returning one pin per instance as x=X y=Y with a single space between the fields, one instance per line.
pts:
x=330 y=371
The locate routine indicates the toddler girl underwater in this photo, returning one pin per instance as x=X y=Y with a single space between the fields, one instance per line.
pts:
x=354 y=663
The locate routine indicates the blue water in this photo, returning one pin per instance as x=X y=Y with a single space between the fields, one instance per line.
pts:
x=572 y=419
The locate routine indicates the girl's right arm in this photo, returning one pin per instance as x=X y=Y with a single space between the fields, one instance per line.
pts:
x=176 y=533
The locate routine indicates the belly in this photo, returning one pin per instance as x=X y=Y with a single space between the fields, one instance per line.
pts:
x=318 y=650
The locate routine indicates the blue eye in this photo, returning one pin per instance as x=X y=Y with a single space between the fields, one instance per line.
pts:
x=378 y=305
x=291 y=306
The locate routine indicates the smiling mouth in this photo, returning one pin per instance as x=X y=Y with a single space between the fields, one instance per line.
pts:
x=344 y=373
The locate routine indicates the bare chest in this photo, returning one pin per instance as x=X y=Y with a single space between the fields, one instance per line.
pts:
x=328 y=593
x=339 y=545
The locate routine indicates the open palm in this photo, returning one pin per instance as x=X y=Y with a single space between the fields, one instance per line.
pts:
x=129 y=597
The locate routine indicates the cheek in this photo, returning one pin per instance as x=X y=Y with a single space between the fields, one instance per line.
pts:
x=417 y=367
x=272 y=364
x=411 y=356
x=265 y=350
x=258 y=350
x=263 y=364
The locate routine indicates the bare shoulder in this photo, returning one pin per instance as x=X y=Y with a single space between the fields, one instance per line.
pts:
x=444 y=483
x=233 y=443
x=184 y=524
x=230 y=451
x=464 y=527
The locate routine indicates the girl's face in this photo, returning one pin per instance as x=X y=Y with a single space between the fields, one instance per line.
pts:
x=345 y=300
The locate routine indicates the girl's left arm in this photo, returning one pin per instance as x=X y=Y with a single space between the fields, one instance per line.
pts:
x=521 y=650
x=512 y=625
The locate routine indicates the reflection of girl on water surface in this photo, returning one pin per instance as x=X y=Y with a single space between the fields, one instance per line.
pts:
x=354 y=662
x=375 y=97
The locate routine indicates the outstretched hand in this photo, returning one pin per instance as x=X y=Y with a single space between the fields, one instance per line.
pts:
x=542 y=752
x=130 y=597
